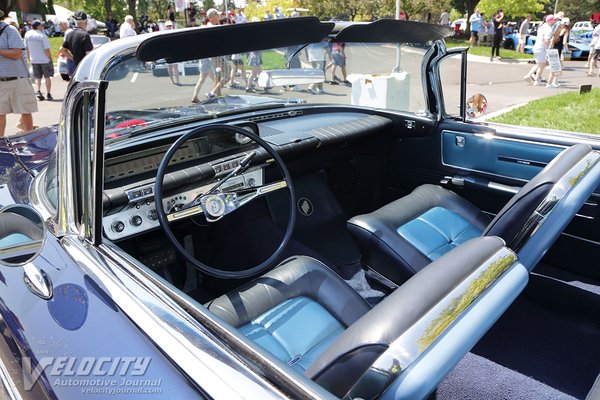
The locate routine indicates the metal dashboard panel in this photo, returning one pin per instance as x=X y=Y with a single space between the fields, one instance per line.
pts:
x=490 y=154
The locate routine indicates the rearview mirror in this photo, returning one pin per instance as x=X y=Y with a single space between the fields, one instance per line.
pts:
x=476 y=105
x=21 y=234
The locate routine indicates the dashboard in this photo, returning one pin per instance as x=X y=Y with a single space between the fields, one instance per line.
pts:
x=128 y=200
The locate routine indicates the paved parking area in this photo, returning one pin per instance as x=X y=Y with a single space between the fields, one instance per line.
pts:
x=500 y=81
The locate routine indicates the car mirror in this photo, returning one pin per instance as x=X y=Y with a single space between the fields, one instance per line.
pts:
x=476 y=105
x=22 y=234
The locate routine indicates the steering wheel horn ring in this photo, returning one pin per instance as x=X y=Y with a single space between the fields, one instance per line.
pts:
x=215 y=205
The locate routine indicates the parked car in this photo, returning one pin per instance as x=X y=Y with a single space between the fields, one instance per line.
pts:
x=582 y=27
x=350 y=237
x=461 y=22
x=579 y=45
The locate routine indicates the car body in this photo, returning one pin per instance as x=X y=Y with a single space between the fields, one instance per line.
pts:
x=579 y=45
x=462 y=22
x=156 y=218
x=582 y=27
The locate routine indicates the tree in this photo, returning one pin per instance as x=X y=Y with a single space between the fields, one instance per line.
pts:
x=579 y=10
x=512 y=8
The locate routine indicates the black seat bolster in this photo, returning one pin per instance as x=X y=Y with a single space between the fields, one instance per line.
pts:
x=353 y=352
x=296 y=276
x=385 y=250
x=511 y=219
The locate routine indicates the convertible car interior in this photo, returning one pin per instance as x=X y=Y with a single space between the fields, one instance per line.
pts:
x=371 y=250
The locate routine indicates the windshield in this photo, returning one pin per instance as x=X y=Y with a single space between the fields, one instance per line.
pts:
x=143 y=94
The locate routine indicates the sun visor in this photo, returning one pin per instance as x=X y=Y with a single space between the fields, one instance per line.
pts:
x=393 y=31
x=197 y=43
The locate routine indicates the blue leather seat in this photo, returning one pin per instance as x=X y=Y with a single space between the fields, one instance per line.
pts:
x=307 y=317
x=402 y=237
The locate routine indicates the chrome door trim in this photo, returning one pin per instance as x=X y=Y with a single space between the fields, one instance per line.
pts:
x=428 y=332
x=556 y=194
x=66 y=149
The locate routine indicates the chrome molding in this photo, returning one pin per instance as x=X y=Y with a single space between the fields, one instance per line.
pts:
x=192 y=349
x=556 y=194
x=39 y=201
x=66 y=148
x=9 y=385
x=427 y=332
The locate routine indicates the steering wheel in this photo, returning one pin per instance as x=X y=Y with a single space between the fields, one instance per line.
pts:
x=215 y=203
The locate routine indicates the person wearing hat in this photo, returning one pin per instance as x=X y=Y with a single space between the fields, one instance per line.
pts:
x=38 y=53
x=543 y=42
x=77 y=43
x=16 y=92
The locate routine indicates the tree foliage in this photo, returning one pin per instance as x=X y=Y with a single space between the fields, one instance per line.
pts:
x=512 y=8
x=579 y=10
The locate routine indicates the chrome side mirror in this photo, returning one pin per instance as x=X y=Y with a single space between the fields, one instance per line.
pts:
x=22 y=234
x=476 y=105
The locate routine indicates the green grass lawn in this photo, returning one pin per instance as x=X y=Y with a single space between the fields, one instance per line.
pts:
x=568 y=111
x=486 y=50
x=55 y=43
x=271 y=60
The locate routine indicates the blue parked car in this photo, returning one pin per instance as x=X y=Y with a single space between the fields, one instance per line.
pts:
x=579 y=45
x=319 y=230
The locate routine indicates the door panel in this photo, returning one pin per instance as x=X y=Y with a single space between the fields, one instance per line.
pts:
x=497 y=156
x=486 y=164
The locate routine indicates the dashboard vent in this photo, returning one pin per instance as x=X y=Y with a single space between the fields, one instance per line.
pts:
x=287 y=114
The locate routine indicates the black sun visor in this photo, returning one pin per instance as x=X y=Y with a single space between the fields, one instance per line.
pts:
x=393 y=31
x=197 y=43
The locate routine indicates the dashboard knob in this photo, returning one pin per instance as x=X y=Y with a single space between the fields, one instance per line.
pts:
x=118 y=226
x=152 y=215
x=136 y=220
x=251 y=182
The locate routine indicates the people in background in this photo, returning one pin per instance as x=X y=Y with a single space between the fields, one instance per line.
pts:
x=191 y=14
x=128 y=27
x=77 y=43
x=523 y=29
x=171 y=15
x=498 y=21
x=445 y=17
x=17 y=93
x=475 y=21
x=40 y=59
x=540 y=48
x=278 y=13
x=111 y=25
x=172 y=69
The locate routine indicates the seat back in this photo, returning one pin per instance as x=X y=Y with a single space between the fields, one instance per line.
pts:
x=534 y=218
x=405 y=345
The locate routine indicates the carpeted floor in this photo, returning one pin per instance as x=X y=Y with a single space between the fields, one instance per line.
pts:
x=546 y=346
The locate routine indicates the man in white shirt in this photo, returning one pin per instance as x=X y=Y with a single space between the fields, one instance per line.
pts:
x=445 y=17
x=594 y=50
x=542 y=43
x=38 y=53
x=127 y=27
